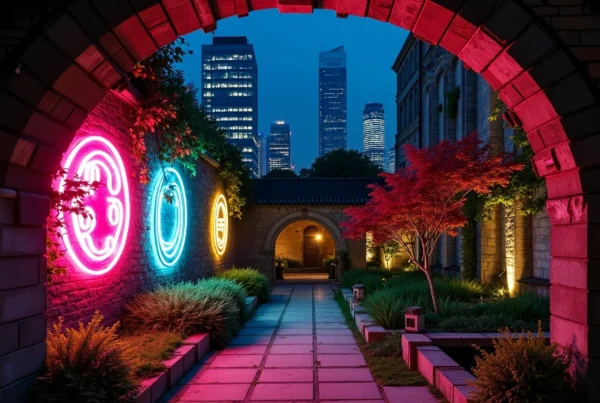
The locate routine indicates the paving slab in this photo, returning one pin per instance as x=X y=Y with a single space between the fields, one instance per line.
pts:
x=290 y=361
x=293 y=340
x=236 y=361
x=294 y=332
x=335 y=340
x=286 y=375
x=286 y=392
x=338 y=349
x=227 y=375
x=345 y=375
x=405 y=394
x=250 y=340
x=292 y=349
x=215 y=393
x=349 y=390
x=245 y=349
x=341 y=360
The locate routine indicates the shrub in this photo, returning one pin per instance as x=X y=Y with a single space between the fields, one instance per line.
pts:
x=148 y=350
x=254 y=283
x=225 y=287
x=526 y=306
x=387 y=305
x=86 y=365
x=522 y=370
x=185 y=308
x=470 y=323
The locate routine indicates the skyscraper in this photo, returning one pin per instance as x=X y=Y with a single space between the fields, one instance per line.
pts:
x=230 y=92
x=332 y=100
x=391 y=160
x=262 y=154
x=279 y=146
x=374 y=133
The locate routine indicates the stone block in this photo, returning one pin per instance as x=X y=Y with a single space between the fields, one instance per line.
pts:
x=188 y=352
x=175 y=369
x=374 y=333
x=22 y=303
x=428 y=361
x=157 y=386
x=33 y=209
x=448 y=379
x=410 y=342
x=202 y=343
x=9 y=338
x=19 y=391
x=144 y=396
x=32 y=330
x=461 y=394
x=16 y=241
x=21 y=363
x=446 y=339
x=252 y=303
x=478 y=339
x=19 y=272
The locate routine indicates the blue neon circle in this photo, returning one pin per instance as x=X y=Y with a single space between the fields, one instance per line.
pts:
x=169 y=235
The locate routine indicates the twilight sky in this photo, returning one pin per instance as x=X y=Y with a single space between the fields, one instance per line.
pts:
x=287 y=51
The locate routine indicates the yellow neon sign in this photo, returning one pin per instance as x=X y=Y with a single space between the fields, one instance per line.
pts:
x=220 y=224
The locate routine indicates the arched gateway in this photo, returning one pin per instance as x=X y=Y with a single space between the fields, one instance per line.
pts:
x=542 y=57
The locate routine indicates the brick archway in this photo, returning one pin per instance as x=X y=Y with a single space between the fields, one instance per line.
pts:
x=527 y=51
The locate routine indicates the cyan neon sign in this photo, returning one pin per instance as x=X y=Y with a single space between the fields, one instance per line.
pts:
x=95 y=243
x=169 y=223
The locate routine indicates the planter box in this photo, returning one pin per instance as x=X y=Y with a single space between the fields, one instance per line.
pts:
x=448 y=379
x=174 y=369
x=202 y=343
x=430 y=359
x=374 y=333
x=153 y=388
x=188 y=352
x=410 y=342
x=252 y=303
x=362 y=320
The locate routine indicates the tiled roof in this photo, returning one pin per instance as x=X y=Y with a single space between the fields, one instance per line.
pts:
x=322 y=191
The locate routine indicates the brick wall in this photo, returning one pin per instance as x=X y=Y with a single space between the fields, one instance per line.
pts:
x=541 y=246
x=77 y=295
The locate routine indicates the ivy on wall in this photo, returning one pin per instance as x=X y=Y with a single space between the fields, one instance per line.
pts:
x=171 y=113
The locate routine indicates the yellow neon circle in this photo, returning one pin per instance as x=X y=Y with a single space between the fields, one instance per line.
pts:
x=221 y=224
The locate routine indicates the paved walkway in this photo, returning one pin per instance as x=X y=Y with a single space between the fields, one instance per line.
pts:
x=296 y=348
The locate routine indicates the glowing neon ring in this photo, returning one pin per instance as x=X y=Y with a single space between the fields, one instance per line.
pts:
x=95 y=243
x=221 y=224
x=169 y=249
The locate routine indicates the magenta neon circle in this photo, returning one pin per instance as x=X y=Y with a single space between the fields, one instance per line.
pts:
x=95 y=244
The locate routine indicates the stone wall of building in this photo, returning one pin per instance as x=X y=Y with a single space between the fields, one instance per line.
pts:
x=76 y=295
x=255 y=235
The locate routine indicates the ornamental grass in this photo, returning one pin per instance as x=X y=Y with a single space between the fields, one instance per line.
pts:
x=187 y=308
x=87 y=364
x=254 y=282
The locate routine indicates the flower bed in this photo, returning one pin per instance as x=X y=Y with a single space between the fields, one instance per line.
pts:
x=464 y=306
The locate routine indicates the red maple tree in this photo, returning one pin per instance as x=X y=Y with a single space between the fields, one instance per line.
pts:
x=420 y=203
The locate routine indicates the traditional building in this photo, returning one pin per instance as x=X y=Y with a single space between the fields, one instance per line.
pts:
x=439 y=99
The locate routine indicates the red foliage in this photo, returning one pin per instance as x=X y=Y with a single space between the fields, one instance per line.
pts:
x=425 y=200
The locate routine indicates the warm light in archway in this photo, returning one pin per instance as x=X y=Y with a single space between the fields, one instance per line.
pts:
x=95 y=243
x=220 y=224
x=319 y=237
x=169 y=224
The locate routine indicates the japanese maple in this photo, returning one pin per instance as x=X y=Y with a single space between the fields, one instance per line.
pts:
x=425 y=200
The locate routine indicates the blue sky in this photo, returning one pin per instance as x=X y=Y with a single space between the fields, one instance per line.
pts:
x=287 y=51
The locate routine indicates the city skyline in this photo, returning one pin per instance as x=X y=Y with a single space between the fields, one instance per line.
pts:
x=278 y=146
x=289 y=76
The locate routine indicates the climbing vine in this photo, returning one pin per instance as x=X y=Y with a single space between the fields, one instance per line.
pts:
x=66 y=201
x=171 y=115
x=525 y=188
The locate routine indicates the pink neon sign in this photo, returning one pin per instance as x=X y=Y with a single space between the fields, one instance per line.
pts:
x=95 y=244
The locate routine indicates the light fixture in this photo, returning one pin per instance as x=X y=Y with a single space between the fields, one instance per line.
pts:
x=220 y=224
x=95 y=243
x=169 y=230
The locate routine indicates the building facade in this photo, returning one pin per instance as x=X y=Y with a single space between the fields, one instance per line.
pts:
x=439 y=99
x=279 y=150
x=230 y=93
x=374 y=133
x=332 y=100
x=262 y=150
x=391 y=164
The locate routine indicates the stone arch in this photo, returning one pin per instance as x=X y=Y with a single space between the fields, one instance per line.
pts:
x=549 y=85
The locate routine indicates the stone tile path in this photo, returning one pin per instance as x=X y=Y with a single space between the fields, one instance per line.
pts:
x=296 y=348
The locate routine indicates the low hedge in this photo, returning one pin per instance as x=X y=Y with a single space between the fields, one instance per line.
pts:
x=254 y=282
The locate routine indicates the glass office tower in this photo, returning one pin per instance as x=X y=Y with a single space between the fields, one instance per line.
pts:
x=332 y=100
